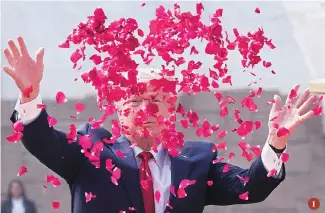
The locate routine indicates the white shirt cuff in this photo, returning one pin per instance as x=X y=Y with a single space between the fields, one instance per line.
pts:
x=28 y=112
x=271 y=160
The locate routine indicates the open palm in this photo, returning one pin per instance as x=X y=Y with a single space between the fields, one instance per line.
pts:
x=290 y=115
x=25 y=71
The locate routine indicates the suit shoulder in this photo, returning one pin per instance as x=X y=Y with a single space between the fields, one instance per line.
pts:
x=201 y=145
x=96 y=133
x=198 y=148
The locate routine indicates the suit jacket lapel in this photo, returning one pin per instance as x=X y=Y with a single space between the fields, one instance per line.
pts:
x=180 y=169
x=129 y=172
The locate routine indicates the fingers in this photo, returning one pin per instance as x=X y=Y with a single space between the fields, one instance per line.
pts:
x=292 y=95
x=14 y=49
x=302 y=98
x=22 y=45
x=9 y=71
x=306 y=104
x=306 y=116
x=277 y=103
x=9 y=57
x=39 y=56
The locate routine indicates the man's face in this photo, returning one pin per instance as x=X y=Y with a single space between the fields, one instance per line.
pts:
x=144 y=111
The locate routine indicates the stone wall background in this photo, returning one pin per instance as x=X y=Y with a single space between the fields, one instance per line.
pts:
x=305 y=173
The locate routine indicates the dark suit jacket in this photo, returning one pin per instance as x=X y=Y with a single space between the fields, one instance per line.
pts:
x=6 y=206
x=194 y=163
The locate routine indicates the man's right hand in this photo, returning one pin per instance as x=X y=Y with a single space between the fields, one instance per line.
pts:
x=24 y=70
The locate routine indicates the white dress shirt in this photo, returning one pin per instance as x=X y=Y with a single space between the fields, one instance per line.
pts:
x=17 y=205
x=160 y=166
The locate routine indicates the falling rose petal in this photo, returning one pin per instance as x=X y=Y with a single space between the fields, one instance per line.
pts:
x=44 y=186
x=60 y=98
x=226 y=168
x=258 y=124
x=18 y=126
x=271 y=173
x=51 y=121
x=222 y=145
x=231 y=155
x=22 y=171
x=193 y=51
x=285 y=157
x=244 y=196
x=293 y=94
x=79 y=107
x=132 y=209
x=243 y=145
x=75 y=56
x=168 y=204
x=259 y=92
x=210 y=182
x=282 y=131
x=116 y=174
x=273 y=72
x=181 y=193
x=56 y=205
x=89 y=196
x=14 y=137
x=143 y=4
x=157 y=196
x=96 y=59
x=318 y=110
x=120 y=154
x=257 y=10
x=267 y=64
x=27 y=91
x=53 y=180
x=257 y=150
x=41 y=106
x=140 y=33
x=217 y=160
x=222 y=134
x=172 y=190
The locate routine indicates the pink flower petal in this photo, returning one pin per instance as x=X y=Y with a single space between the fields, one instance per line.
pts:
x=14 y=137
x=244 y=196
x=226 y=168
x=257 y=10
x=56 y=205
x=22 y=171
x=157 y=196
x=18 y=126
x=285 y=157
x=89 y=196
x=282 y=131
x=210 y=182
x=51 y=120
x=79 y=107
x=271 y=173
x=60 y=98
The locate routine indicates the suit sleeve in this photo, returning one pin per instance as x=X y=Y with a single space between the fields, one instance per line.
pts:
x=47 y=144
x=227 y=186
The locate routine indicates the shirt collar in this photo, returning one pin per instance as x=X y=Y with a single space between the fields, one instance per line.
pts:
x=158 y=156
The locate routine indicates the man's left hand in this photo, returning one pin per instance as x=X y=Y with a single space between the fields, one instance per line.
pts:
x=283 y=120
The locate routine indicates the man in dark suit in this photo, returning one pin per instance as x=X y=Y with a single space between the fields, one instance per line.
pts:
x=138 y=173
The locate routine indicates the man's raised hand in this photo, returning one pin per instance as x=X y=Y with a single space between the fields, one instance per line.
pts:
x=26 y=72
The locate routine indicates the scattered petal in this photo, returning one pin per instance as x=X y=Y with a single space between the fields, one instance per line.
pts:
x=60 y=98
x=22 y=171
